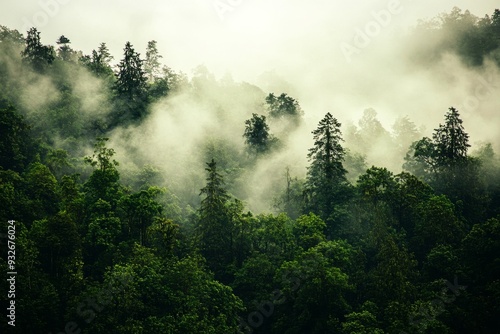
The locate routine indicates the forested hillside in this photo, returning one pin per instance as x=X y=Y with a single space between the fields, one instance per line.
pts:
x=213 y=224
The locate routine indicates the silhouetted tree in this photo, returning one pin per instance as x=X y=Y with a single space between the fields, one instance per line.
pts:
x=131 y=85
x=64 y=51
x=326 y=184
x=257 y=135
x=284 y=107
x=35 y=53
x=214 y=226
x=99 y=62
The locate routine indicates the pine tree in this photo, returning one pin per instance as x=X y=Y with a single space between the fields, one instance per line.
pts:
x=104 y=54
x=451 y=140
x=326 y=183
x=99 y=62
x=152 y=62
x=444 y=163
x=35 y=53
x=447 y=148
x=214 y=225
x=131 y=78
x=64 y=51
x=131 y=84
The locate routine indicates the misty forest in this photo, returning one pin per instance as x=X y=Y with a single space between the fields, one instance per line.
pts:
x=147 y=200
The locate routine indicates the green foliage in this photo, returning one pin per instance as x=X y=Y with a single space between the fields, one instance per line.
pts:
x=420 y=158
x=273 y=236
x=131 y=78
x=447 y=148
x=355 y=164
x=490 y=177
x=138 y=251
x=377 y=184
x=326 y=184
x=60 y=252
x=395 y=271
x=404 y=132
x=283 y=107
x=99 y=62
x=10 y=37
x=253 y=281
x=15 y=141
x=36 y=54
x=102 y=156
x=442 y=261
x=315 y=291
x=290 y=201
x=162 y=235
x=445 y=164
x=437 y=224
x=64 y=51
x=103 y=182
x=152 y=62
x=42 y=189
x=257 y=135
x=11 y=194
x=451 y=140
x=130 y=87
x=459 y=32
x=214 y=227
x=309 y=231
x=362 y=322
x=147 y=295
x=141 y=209
x=103 y=227
x=37 y=297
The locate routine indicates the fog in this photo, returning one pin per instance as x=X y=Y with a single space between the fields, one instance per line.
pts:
x=341 y=58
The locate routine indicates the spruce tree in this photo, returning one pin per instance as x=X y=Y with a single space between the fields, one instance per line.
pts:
x=131 y=78
x=152 y=62
x=214 y=227
x=326 y=183
x=35 y=53
x=451 y=140
x=64 y=51
x=100 y=61
x=444 y=163
x=131 y=84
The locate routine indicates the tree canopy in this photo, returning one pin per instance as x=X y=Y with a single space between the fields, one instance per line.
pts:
x=216 y=224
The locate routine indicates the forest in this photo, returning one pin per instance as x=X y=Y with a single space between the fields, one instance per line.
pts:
x=214 y=224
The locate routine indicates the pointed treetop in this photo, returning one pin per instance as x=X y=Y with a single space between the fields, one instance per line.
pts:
x=452 y=142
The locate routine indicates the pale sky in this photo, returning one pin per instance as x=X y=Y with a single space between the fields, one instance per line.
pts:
x=301 y=41
x=244 y=37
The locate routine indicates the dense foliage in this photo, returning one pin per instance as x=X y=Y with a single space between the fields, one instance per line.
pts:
x=105 y=248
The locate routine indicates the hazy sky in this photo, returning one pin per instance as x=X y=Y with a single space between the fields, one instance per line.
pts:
x=239 y=36
x=301 y=41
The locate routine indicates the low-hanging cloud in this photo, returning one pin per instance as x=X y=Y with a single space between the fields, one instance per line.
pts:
x=283 y=46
